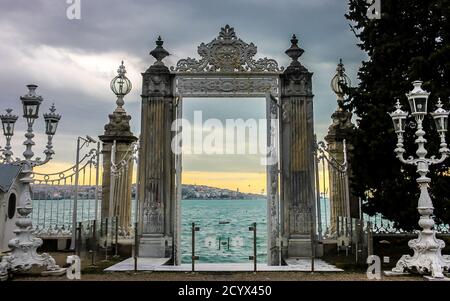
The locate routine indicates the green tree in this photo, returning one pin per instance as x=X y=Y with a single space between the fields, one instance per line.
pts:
x=410 y=42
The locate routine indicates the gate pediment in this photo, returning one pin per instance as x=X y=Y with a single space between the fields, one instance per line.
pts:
x=227 y=67
x=227 y=54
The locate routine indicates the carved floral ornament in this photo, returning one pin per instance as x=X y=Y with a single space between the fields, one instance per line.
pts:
x=227 y=54
x=223 y=86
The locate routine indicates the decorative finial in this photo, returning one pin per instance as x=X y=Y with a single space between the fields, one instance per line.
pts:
x=340 y=79
x=340 y=68
x=51 y=120
x=294 y=52
x=294 y=39
x=8 y=118
x=159 y=53
x=121 y=71
x=32 y=89
x=440 y=107
x=121 y=86
x=227 y=33
x=417 y=83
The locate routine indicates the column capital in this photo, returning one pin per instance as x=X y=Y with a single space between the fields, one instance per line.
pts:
x=118 y=129
x=341 y=127
x=296 y=80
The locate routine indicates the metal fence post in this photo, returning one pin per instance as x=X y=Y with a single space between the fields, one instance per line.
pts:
x=255 y=254
x=313 y=248
x=136 y=239
x=193 y=257
x=94 y=241
x=369 y=239
x=116 y=251
x=347 y=235
x=106 y=239
x=337 y=226
x=78 y=240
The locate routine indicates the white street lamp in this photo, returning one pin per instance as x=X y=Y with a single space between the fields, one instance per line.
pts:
x=24 y=246
x=8 y=122
x=121 y=86
x=427 y=248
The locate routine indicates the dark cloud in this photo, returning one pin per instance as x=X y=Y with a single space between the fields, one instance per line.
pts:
x=73 y=60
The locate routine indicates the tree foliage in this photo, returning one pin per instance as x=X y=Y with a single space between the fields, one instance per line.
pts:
x=410 y=42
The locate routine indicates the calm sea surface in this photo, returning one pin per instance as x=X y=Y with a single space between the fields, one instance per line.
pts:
x=223 y=237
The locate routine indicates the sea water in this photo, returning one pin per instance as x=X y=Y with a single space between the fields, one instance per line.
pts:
x=224 y=234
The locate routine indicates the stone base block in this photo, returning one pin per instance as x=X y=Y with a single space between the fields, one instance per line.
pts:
x=301 y=247
x=329 y=246
x=319 y=250
x=152 y=246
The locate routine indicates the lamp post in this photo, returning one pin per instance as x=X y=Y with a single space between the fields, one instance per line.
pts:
x=80 y=145
x=427 y=248
x=117 y=137
x=121 y=86
x=8 y=122
x=339 y=80
x=24 y=246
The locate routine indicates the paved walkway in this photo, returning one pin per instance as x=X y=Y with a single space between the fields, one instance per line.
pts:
x=157 y=265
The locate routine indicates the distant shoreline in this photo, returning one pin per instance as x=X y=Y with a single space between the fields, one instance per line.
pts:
x=225 y=199
x=188 y=192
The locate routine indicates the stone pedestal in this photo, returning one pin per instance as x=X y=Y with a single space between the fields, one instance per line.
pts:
x=153 y=246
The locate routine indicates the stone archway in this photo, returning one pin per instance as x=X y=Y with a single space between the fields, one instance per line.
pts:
x=227 y=68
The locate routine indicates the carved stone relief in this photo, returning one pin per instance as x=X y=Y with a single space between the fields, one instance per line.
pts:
x=226 y=86
x=227 y=53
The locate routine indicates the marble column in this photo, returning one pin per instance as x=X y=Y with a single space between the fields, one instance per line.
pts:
x=340 y=129
x=297 y=157
x=156 y=163
x=118 y=129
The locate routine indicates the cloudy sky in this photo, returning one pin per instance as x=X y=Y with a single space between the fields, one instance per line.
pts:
x=73 y=62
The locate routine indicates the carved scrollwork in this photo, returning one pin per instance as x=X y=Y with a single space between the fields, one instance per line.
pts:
x=227 y=53
x=198 y=86
x=286 y=111
x=296 y=84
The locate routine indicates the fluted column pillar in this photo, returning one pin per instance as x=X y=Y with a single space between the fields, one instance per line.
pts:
x=122 y=193
x=297 y=157
x=341 y=129
x=156 y=161
x=342 y=201
x=118 y=131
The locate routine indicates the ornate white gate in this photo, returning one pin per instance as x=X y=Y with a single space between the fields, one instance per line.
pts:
x=227 y=68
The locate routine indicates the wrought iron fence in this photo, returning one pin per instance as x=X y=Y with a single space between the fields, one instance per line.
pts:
x=382 y=226
x=53 y=196
x=332 y=189
x=100 y=240
x=354 y=237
